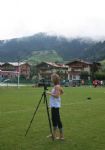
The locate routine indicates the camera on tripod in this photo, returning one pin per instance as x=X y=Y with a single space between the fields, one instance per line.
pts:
x=44 y=82
x=44 y=98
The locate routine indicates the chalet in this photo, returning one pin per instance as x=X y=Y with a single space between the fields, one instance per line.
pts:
x=45 y=69
x=76 y=67
x=12 y=69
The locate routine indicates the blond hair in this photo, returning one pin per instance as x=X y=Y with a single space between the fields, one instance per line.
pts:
x=55 y=78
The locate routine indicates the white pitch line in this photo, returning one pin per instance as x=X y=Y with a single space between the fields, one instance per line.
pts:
x=73 y=104
x=14 y=111
x=21 y=110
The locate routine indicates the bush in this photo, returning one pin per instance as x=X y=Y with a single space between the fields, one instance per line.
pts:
x=100 y=75
x=84 y=75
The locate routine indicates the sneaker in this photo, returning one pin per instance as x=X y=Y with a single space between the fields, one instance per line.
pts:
x=57 y=138
x=49 y=136
x=62 y=138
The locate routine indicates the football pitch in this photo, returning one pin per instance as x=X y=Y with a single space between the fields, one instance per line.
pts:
x=82 y=114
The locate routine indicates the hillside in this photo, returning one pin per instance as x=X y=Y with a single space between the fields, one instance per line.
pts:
x=95 y=52
x=34 y=48
x=103 y=62
x=39 y=56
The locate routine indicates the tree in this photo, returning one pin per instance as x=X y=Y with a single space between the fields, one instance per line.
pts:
x=95 y=68
x=84 y=75
x=100 y=75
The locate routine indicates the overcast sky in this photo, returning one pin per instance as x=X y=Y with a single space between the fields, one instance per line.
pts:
x=70 y=18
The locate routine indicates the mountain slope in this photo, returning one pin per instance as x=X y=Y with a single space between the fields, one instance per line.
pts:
x=39 y=56
x=95 y=52
x=66 y=48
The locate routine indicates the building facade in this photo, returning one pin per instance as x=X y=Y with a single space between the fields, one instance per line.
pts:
x=76 y=67
x=13 y=69
x=45 y=69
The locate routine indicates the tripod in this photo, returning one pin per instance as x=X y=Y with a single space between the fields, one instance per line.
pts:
x=44 y=97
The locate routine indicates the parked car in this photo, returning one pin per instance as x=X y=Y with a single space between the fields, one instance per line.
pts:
x=67 y=84
x=75 y=83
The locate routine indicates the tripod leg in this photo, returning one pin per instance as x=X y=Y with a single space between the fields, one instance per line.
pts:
x=34 y=115
x=50 y=126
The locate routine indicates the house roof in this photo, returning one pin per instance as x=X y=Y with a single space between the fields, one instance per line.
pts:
x=54 y=64
x=13 y=63
x=79 y=60
x=1 y=63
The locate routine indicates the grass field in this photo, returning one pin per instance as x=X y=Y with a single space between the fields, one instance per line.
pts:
x=83 y=120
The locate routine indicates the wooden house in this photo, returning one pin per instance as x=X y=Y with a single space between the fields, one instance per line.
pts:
x=45 y=69
x=76 y=67
x=12 y=69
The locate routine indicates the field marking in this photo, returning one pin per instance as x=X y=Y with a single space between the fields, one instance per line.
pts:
x=85 y=102
x=14 y=111
x=26 y=110
x=80 y=103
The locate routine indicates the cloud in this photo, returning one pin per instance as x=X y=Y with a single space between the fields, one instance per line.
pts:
x=66 y=17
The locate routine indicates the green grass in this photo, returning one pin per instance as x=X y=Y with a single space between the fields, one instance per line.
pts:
x=40 y=56
x=102 y=62
x=83 y=120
